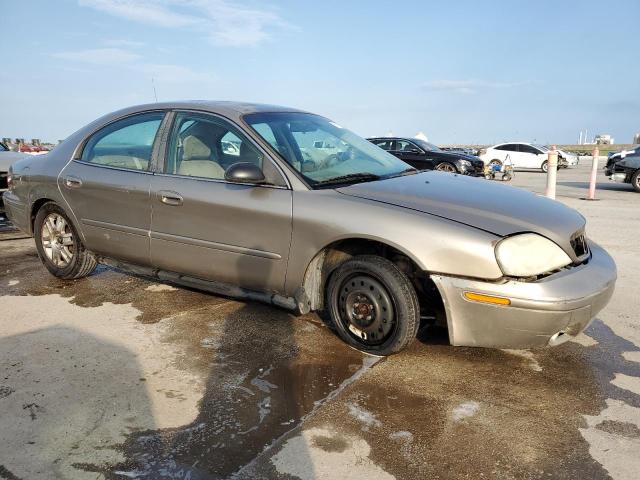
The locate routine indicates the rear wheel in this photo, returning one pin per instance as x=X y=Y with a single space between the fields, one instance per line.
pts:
x=373 y=305
x=635 y=181
x=446 y=167
x=59 y=245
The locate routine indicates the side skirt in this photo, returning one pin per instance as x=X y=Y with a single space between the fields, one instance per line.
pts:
x=218 y=288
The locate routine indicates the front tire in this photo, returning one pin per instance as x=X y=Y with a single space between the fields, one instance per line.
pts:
x=59 y=246
x=446 y=167
x=545 y=166
x=373 y=305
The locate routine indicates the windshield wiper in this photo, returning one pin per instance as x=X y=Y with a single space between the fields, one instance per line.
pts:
x=350 y=178
x=408 y=171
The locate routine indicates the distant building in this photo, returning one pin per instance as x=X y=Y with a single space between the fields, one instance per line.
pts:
x=604 y=140
x=636 y=139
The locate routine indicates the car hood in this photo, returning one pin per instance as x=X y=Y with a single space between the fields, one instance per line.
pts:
x=9 y=158
x=460 y=155
x=492 y=207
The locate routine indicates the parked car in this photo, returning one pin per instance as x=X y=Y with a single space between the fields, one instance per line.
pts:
x=623 y=153
x=346 y=228
x=7 y=157
x=566 y=159
x=521 y=155
x=426 y=156
x=625 y=169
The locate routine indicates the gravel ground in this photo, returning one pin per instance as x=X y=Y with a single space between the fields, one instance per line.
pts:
x=116 y=376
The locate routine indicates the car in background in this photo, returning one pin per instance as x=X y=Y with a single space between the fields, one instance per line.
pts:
x=521 y=155
x=623 y=153
x=467 y=151
x=7 y=158
x=426 y=156
x=625 y=169
x=566 y=159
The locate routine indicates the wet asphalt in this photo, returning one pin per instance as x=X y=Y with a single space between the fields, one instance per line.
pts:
x=117 y=376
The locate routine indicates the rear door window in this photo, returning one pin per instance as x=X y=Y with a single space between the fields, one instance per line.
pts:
x=385 y=144
x=126 y=143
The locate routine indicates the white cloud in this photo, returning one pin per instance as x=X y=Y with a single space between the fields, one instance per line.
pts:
x=222 y=22
x=465 y=86
x=99 y=56
x=151 y=12
x=121 y=58
x=120 y=42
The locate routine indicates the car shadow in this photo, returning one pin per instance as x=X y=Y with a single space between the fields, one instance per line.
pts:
x=614 y=187
x=66 y=394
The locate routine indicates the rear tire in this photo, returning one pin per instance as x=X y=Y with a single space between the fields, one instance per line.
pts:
x=59 y=246
x=635 y=181
x=373 y=305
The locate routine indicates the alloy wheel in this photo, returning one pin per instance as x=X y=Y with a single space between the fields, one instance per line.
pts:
x=57 y=240
x=446 y=167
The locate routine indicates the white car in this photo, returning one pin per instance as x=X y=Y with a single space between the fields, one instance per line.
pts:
x=567 y=159
x=520 y=154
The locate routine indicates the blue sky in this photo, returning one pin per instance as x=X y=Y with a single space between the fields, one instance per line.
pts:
x=460 y=71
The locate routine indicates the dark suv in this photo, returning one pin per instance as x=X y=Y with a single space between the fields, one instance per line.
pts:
x=426 y=156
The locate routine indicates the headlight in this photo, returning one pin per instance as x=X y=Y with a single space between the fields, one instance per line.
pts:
x=529 y=254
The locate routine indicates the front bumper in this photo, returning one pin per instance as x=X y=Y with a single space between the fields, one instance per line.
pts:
x=546 y=312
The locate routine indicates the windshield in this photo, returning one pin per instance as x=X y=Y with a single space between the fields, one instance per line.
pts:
x=429 y=147
x=323 y=152
x=540 y=147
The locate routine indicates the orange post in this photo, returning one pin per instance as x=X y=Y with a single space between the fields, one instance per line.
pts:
x=594 y=174
x=552 y=172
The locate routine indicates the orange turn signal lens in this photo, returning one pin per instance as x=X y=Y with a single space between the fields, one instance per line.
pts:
x=478 y=297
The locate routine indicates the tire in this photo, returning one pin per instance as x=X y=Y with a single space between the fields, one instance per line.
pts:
x=54 y=232
x=545 y=166
x=373 y=305
x=446 y=167
x=506 y=177
x=635 y=181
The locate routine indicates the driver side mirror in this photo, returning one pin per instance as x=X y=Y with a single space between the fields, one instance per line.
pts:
x=244 y=172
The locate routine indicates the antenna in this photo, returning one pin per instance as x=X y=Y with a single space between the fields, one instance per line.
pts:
x=153 y=84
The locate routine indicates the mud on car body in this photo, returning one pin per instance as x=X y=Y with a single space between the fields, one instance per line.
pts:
x=308 y=216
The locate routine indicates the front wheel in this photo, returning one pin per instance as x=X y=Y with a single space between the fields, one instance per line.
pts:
x=446 y=167
x=545 y=166
x=373 y=305
x=59 y=246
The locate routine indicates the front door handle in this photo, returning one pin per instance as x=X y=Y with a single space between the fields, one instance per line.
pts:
x=72 y=182
x=170 y=198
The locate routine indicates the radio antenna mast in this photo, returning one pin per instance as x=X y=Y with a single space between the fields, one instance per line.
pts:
x=153 y=84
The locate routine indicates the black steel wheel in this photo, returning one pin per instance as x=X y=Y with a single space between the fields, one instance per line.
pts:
x=373 y=305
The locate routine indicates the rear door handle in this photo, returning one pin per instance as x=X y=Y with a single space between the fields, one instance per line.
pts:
x=72 y=182
x=170 y=198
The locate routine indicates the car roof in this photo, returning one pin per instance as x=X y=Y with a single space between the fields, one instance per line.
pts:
x=511 y=143
x=229 y=109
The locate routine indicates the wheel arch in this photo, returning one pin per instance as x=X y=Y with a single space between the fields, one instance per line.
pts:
x=331 y=256
x=37 y=205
